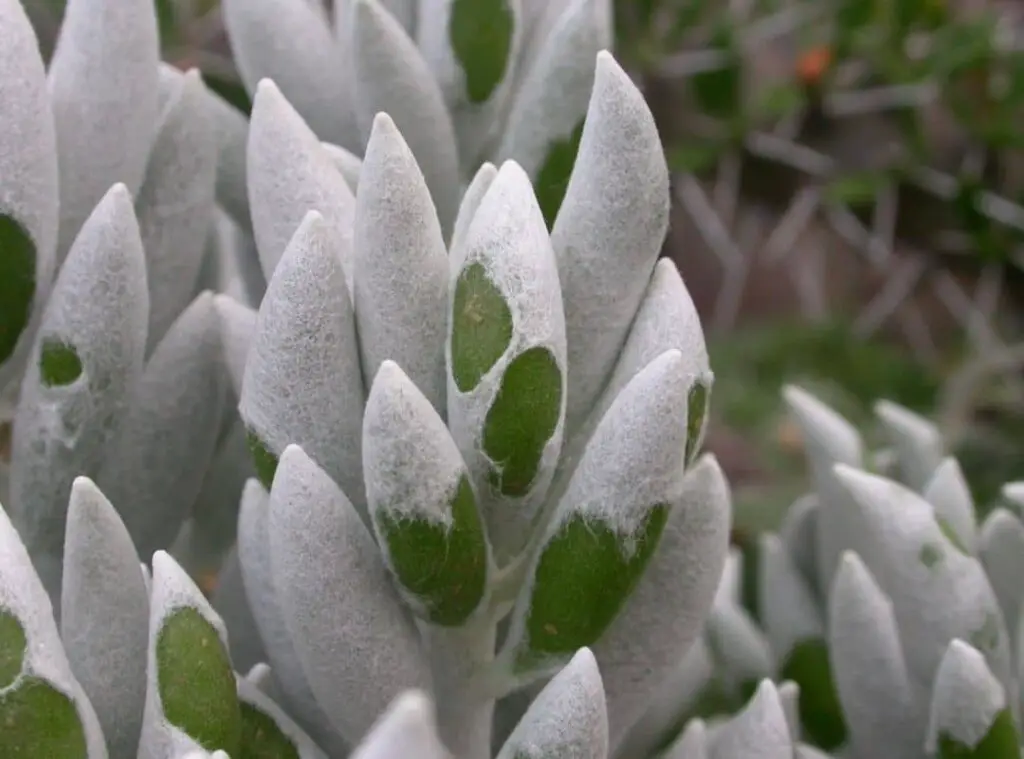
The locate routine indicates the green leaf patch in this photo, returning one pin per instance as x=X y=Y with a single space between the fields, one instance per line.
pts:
x=196 y=682
x=480 y=33
x=445 y=567
x=481 y=327
x=262 y=738
x=13 y=646
x=37 y=720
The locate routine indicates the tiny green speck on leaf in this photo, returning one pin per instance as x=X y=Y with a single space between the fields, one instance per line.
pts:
x=480 y=32
x=553 y=178
x=481 y=327
x=13 y=645
x=37 y=720
x=17 y=283
x=262 y=738
x=263 y=460
x=820 y=711
x=444 y=567
x=522 y=419
x=196 y=682
x=59 y=363
x=999 y=743
x=583 y=578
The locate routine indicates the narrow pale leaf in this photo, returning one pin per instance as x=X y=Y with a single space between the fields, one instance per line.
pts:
x=950 y=495
x=691 y=744
x=1001 y=549
x=105 y=616
x=105 y=95
x=336 y=594
x=758 y=732
x=546 y=120
x=917 y=442
x=406 y=728
x=349 y=164
x=87 y=358
x=237 y=326
x=471 y=199
x=231 y=602
x=609 y=231
x=871 y=676
x=257 y=577
x=390 y=76
x=232 y=128
x=154 y=469
x=289 y=175
x=292 y=44
x=303 y=383
x=568 y=720
x=969 y=716
x=175 y=203
x=401 y=267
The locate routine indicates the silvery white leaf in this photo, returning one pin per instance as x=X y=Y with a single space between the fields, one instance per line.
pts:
x=789 y=696
x=474 y=92
x=609 y=230
x=968 y=704
x=917 y=442
x=806 y=751
x=105 y=616
x=232 y=128
x=506 y=247
x=1013 y=494
x=730 y=586
x=692 y=743
x=93 y=343
x=675 y=697
x=232 y=266
x=336 y=593
x=743 y=655
x=290 y=174
x=568 y=720
x=406 y=728
x=28 y=188
x=390 y=76
x=249 y=695
x=349 y=164
x=938 y=592
x=44 y=666
x=950 y=495
x=1001 y=551
x=174 y=205
x=105 y=95
x=471 y=199
x=263 y=595
x=154 y=469
x=759 y=731
x=798 y=533
x=880 y=703
x=292 y=44
x=400 y=266
x=237 y=326
x=177 y=601
x=303 y=383
x=539 y=19
x=829 y=439
x=553 y=97
x=230 y=601
x=789 y=612
x=664 y=615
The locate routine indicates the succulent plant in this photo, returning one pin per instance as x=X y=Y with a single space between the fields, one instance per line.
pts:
x=891 y=617
x=477 y=477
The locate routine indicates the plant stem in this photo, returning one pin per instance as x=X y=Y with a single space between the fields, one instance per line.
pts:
x=464 y=714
